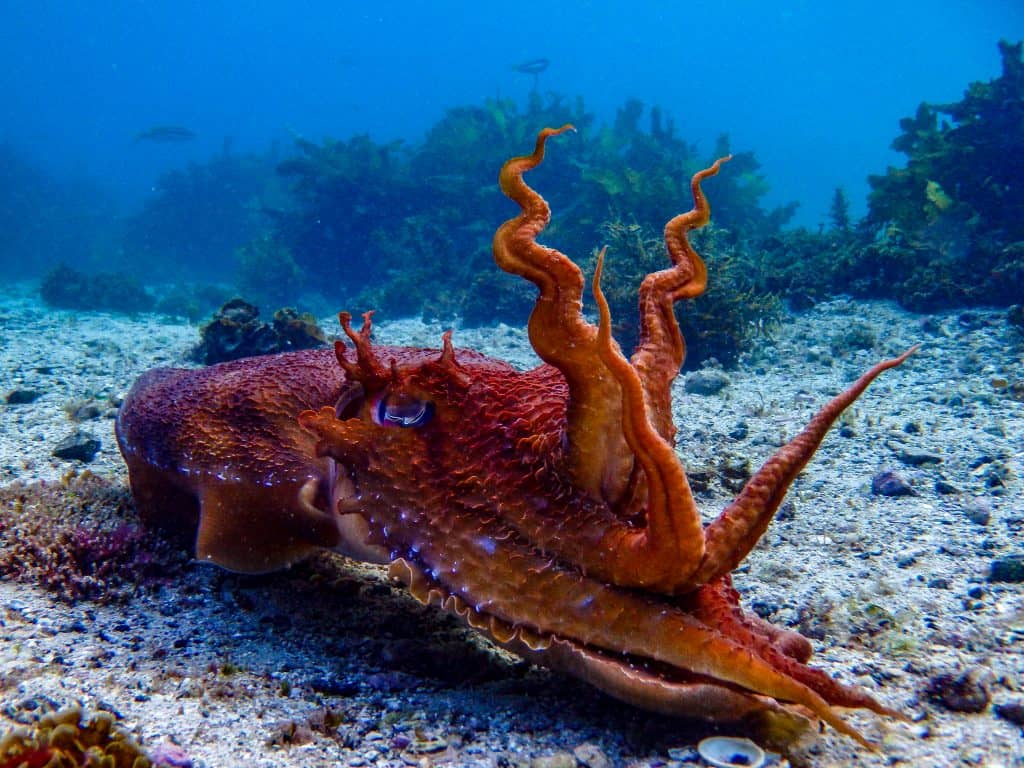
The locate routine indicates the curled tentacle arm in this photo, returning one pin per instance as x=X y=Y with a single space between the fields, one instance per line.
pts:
x=662 y=349
x=731 y=536
x=665 y=551
x=599 y=458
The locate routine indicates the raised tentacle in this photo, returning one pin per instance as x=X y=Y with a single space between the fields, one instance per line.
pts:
x=599 y=458
x=367 y=367
x=661 y=350
x=730 y=537
x=670 y=546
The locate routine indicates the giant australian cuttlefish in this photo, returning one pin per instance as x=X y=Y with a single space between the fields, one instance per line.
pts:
x=547 y=508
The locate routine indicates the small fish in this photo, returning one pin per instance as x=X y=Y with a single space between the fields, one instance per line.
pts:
x=532 y=67
x=166 y=134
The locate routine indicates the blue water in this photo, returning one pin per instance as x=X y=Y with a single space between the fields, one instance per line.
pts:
x=814 y=89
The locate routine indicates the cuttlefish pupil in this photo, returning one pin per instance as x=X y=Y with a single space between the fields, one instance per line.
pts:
x=546 y=508
x=399 y=409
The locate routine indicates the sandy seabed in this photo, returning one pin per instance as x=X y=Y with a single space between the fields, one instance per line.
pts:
x=298 y=669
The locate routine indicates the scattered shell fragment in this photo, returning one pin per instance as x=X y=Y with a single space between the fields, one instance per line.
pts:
x=731 y=752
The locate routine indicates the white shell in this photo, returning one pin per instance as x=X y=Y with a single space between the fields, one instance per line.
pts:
x=731 y=752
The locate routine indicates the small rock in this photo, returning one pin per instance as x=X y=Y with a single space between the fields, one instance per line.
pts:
x=78 y=446
x=83 y=410
x=964 y=692
x=22 y=396
x=557 y=760
x=591 y=756
x=945 y=487
x=978 y=511
x=918 y=458
x=707 y=381
x=888 y=483
x=684 y=754
x=1009 y=569
x=1012 y=710
x=740 y=431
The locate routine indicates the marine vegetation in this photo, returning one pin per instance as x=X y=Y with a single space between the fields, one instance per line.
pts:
x=68 y=288
x=68 y=739
x=46 y=220
x=80 y=539
x=721 y=323
x=363 y=222
x=945 y=230
x=546 y=508
x=197 y=218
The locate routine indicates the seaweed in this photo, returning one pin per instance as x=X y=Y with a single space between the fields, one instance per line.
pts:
x=81 y=540
x=199 y=217
x=719 y=325
x=952 y=219
x=68 y=288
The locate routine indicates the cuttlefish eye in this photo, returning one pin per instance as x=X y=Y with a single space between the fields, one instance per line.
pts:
x=400 y=409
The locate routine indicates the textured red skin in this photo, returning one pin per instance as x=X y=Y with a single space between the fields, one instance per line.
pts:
x=546 y=508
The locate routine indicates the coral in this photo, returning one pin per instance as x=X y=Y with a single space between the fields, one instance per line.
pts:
x=81 y=540
x=67 y=739
x=235 y=331
x=68 y=288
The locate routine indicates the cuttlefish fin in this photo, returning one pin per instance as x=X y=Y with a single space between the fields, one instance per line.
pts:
x=252 y=528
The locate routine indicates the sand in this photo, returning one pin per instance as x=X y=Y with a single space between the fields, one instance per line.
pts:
x=313 y=668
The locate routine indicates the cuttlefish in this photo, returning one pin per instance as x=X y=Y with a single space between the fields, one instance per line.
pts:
x=546 y=508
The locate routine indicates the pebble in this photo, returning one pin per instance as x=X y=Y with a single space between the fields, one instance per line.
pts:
x=1012 y=710
x=22 y=396
x=591 y=756
x=707 y=381
x=78 y=446
x=978 y=511
x=918 y=458
x=889 y=483
x=961 y=692
x=557 y=760
x=1009 y=569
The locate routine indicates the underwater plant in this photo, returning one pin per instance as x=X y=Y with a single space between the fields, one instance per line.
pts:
x=199 y=217
x=81 y=540
x=720 y=324
x=67 y=288
x=267 y=272
x=951 y=221
x=405 y=229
